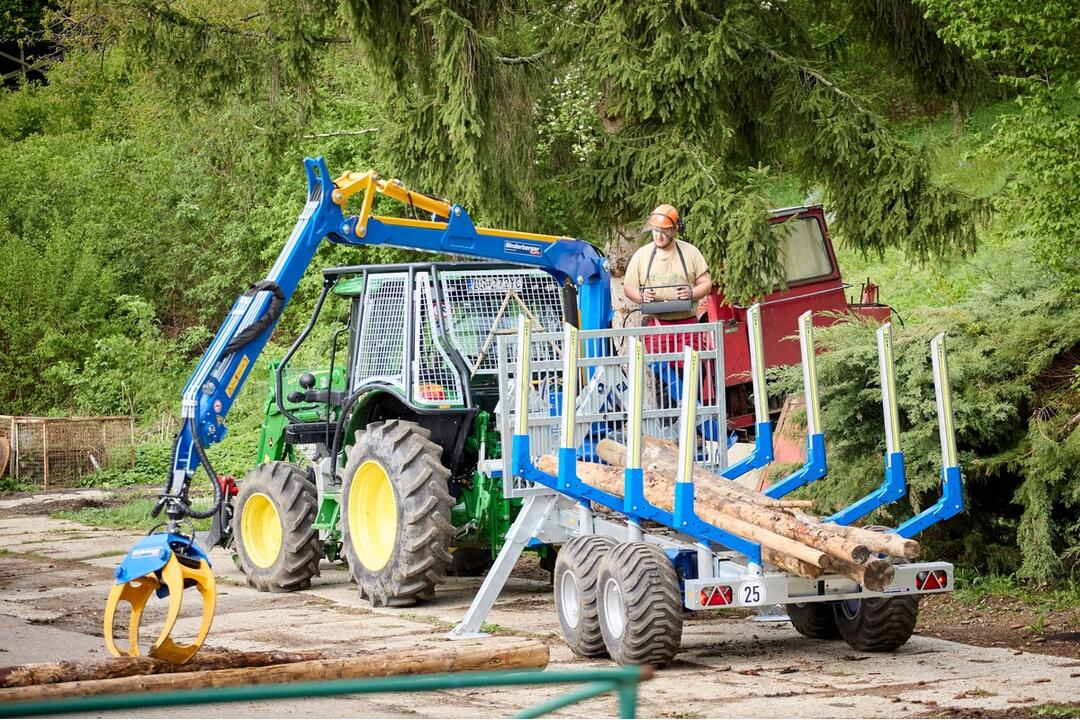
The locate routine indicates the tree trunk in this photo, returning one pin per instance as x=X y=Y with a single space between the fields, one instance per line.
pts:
x=878 y=542
x=726 y=513
x=610 y=480
x=114 y=667
x=452 y=658
x=662 y=456
x=875 y=575
x=715 y=491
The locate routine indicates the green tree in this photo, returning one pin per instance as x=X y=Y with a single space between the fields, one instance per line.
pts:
x=699 y=103
x=1032 y=46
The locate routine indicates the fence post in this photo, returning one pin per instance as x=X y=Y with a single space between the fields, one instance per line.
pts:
x=131 y=434
x=45 y=451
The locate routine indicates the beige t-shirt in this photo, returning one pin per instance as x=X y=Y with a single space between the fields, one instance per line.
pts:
x=666 y=270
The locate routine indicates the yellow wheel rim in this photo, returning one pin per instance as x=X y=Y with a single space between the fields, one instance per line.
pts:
x=372 y=515
x=261 y=529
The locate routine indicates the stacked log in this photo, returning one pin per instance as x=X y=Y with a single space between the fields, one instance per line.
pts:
x=791 y=539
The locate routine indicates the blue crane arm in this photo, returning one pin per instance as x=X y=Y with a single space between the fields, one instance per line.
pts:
x=220 y=374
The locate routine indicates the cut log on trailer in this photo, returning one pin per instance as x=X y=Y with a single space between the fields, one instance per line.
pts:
x=70 y=671
x=514 y=655
x=710 y=490
x=786 y=553
x=879 y=542
x=663 y=457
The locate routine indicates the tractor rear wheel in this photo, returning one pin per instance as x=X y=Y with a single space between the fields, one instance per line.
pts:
x=813 y=620
x=395 y=513
x=639 y=605
x=877 y=624
x=277 y=549
x=576 y=571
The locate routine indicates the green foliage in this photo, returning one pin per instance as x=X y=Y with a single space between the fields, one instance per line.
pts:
x=1013 y=347
x=19 y=19
x=126 y=232
x=973 y=588
x=152 y=458
x=696 y=103
x=1032 y=48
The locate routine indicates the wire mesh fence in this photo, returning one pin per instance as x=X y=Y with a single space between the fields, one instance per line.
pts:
x=58 y=451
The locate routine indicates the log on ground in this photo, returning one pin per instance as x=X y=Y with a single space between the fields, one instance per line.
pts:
x=114 y=667
x=517 y=655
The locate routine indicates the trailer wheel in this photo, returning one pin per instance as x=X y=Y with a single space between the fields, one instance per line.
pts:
x=276 y=547
x=640 y=607
x=576 y=572
x=877 y=624
x=813 y=620
x=395 y=513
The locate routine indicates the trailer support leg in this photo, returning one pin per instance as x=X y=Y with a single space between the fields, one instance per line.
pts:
x=534 y=512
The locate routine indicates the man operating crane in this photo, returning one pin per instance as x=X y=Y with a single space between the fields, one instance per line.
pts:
x=667 y=277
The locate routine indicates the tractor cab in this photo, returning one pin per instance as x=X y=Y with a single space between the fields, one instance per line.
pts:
x=421 y=347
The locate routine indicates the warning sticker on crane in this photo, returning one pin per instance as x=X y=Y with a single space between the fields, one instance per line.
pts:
x=231 y=387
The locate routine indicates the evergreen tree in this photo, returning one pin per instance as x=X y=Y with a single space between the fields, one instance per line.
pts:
x=699 y=103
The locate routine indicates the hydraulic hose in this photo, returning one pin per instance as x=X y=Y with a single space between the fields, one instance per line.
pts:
x=205 y=462
x=180 y=503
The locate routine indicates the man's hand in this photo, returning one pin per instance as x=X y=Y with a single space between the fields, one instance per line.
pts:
x=648 y=295
x=683 y=292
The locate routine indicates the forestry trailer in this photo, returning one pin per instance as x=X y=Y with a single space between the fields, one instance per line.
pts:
x=468 y=396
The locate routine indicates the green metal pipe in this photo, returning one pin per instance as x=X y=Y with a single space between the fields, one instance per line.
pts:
x=624 y=677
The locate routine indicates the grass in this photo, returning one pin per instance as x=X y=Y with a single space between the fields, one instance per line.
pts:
x=972 y=589
x=1055 y=710
x=9 y=484
x=133 y=515
x=495 y=629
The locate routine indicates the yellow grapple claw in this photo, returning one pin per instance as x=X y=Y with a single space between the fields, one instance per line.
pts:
x=168 y=580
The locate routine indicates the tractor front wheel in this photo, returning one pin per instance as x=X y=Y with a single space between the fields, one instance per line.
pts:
x=277 y=549
x=395 y=513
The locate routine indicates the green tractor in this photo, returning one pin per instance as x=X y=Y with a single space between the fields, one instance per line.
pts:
x=391 y=459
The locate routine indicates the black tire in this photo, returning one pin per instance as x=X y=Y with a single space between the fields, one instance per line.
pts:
x=470 y=562
x=877 y=624
x=813 y=620
x=410 y=558
x=577 y=569
x=289 y=491
x=639 y=605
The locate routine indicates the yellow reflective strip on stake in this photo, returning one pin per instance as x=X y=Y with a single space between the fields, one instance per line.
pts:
x=806 y=343
x=636 y=376
x=524 y=381
x=944 y=393
x=569 y=390
x=688 y=418
x=757 y=364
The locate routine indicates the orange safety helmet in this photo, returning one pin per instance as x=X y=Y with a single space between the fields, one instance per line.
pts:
x=664 y=217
